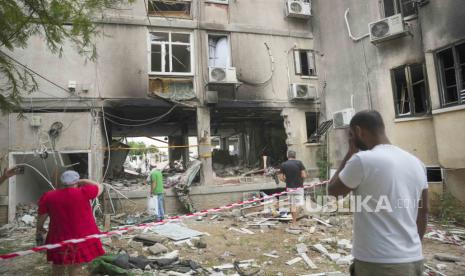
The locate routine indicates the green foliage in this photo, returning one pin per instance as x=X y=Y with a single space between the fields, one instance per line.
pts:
x=322 y=162
x=140 y=148
x=448 y=208
x=57 y=21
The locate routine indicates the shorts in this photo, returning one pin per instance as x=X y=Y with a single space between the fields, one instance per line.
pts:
x=360 y=268
x=296 y=198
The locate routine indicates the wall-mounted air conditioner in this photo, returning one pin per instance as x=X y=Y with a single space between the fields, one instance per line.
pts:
x=302 y=91
x=222 y=75
x=298 y=8
x=341 y=118
x=387 y=28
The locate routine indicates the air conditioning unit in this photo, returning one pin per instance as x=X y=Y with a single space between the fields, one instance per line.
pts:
x=222 y=75
x=386 y=29
x=298 y=8
x=299 y=91
x=341 y=119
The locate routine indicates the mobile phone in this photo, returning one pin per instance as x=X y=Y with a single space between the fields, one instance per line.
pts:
x=19 y=170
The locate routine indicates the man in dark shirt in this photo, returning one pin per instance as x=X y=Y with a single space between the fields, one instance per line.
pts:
x=293 y=173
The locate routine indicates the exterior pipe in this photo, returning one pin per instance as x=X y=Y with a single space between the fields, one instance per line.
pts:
x=355 y=39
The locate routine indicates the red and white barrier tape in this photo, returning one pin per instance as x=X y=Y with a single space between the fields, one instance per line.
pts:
x=123 y=230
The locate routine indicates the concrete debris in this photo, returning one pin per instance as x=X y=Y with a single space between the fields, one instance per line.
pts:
x=294 y=261
x=271 y=255
x=344 y=260
x=150 y=239
x=320 y=248
x=301 y=248
x=175 y=231
x=307 y=260
x=448 y=258
x=344 y=244
x=28 y=219
x=322 y=222
x=293 y=231
x=158 y=248
x=441 y=266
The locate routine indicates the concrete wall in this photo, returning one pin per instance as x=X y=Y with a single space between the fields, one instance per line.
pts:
x=362 y=70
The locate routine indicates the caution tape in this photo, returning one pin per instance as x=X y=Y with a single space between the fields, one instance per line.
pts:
x=123 y=230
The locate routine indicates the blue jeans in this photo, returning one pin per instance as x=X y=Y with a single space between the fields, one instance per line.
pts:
x=161 y=207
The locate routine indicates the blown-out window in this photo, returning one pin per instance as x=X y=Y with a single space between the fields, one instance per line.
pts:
x=451 y=63
x=304 y=62
x=165 y=8
x=171 y=53
x=410 y=90
x=405 y=7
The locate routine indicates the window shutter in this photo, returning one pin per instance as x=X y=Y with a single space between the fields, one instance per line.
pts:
x=311 y=62
x=298 y=67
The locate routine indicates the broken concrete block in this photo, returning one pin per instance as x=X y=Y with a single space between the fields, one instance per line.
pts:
x=312 y=229
x=293 y=231
x=150 y=239
x=344 y=244
x=344 y=260
x=334 y=256
x=441 y=266
x=158 y=248
x=320 y=248
x=448 y=258
x=308 y=261
x=293 y=261
x=301 y=248
x=28 y=219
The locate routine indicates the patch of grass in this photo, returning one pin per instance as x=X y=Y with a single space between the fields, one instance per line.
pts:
x=448 y=208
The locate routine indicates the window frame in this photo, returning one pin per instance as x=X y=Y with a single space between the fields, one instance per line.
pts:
x=190 y=16
x=296 y=69
x=170 y=44
x=398 y=8
x=440 y=75
x=410 y=84
x=228 y=36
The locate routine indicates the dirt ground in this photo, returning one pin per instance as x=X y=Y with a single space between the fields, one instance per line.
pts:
x=226 y=246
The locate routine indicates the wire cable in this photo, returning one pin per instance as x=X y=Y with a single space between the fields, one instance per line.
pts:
x=143 y=124
x=37 y=171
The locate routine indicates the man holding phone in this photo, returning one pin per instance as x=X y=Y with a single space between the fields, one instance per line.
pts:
x=7 y=173
x=387 y=241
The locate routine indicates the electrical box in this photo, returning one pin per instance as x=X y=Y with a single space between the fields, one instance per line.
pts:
x=35 y=121
x=72 y=85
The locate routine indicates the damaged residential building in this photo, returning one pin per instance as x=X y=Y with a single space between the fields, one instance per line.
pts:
x=243 y=79
x=241 y=83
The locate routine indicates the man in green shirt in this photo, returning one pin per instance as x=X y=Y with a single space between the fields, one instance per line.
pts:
x=155 y=180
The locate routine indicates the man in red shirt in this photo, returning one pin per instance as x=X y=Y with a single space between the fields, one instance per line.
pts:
x=71 y=217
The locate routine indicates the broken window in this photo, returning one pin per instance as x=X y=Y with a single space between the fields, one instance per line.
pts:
x=170 y=53
x=219 y=54
x=451 y=63
x=410 y=90
x=163 y=8
x=311 y=119
x=304 y=63
x=406 y=7
x=322 y=129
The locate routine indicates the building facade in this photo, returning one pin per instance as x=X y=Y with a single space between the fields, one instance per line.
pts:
x=241 y=72
x=414 y=76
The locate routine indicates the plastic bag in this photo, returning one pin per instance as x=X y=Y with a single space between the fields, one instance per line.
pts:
x=152 y=205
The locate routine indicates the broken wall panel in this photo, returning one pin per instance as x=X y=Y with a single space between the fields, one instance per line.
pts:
x=172 y=88
x=164 y=8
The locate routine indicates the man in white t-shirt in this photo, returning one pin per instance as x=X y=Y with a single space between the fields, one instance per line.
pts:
x=391 y=196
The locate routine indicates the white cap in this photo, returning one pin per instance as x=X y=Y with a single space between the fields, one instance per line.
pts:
x=69 y=178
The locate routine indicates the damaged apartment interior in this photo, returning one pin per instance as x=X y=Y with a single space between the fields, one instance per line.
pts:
x=214 y=93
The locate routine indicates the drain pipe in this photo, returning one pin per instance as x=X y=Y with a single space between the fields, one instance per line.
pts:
x=355 y=39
